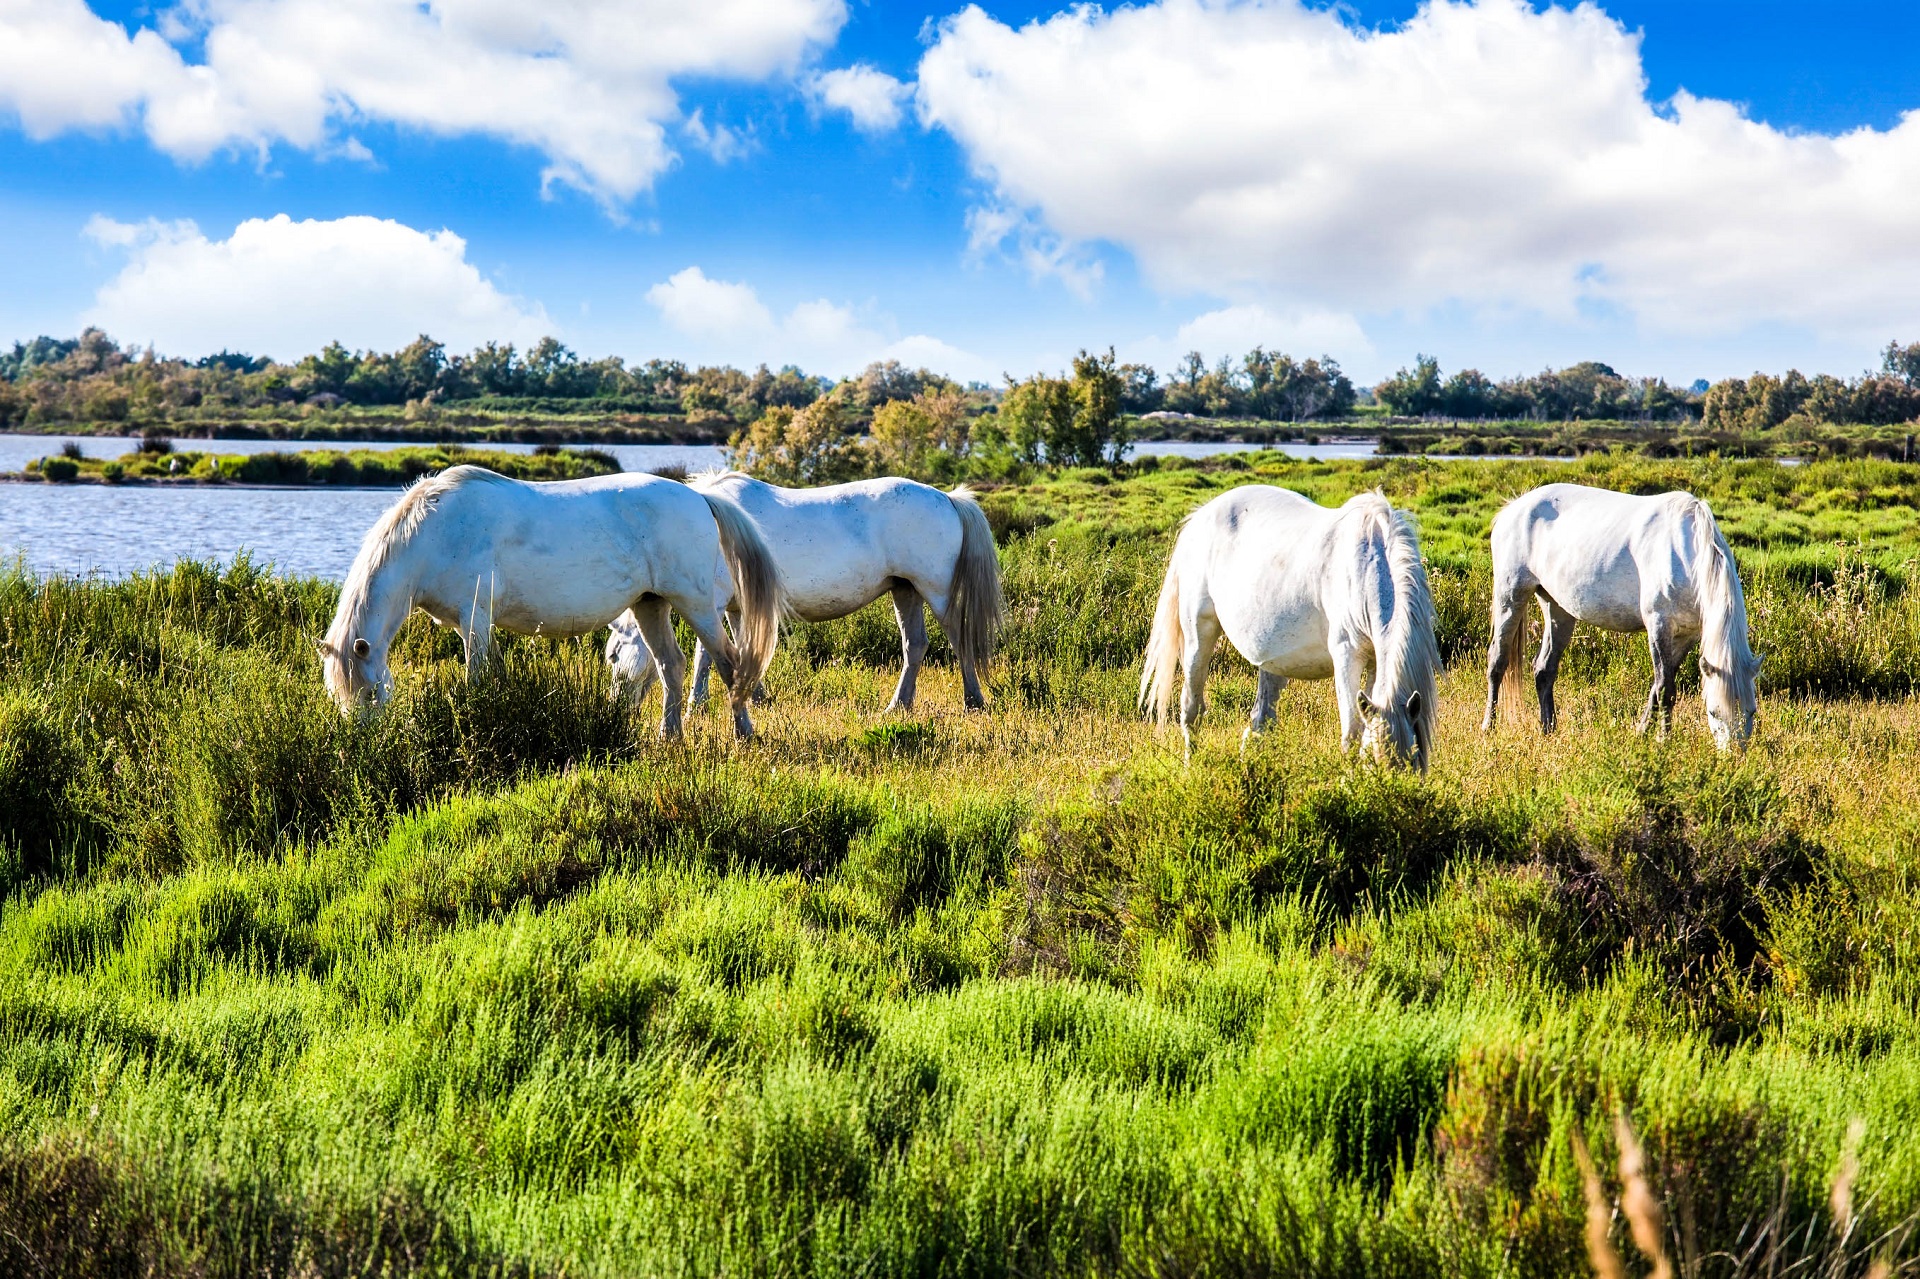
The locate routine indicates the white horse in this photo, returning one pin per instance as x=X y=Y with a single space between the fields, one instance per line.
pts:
x=1623 y=563
x=842 y=546
x=1302 y=592
x=477 y=550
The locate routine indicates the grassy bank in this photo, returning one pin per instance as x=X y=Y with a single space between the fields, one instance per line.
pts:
x=519 y=421
x=498 y=984
x=377 y=468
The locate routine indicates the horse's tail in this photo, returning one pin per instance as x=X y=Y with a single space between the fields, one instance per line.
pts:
x=1164 y=645
x=974 y=603
x=1511 y=638
x=1513 y=681
x=756 y=590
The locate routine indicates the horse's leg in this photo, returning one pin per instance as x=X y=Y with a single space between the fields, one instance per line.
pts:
x=912 y=612
x=656 y=624
x=760 y=693
x=1509 y=638
x=1546 y=667
x=630 y=661
x=1661 y=696
x=713 y=637
x=1270 y=688
x=1202 y=634
x=476 y=630
x=702 y=668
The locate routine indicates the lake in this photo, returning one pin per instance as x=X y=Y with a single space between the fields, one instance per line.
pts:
x=98 y=529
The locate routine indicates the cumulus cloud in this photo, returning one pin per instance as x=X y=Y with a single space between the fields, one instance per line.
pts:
x=701 y=307
x=288 y=288
x=1233 y=329
x=727 y=321
x=919 y=351
x=871 y=96
x=588 y=83
x=1482 y=154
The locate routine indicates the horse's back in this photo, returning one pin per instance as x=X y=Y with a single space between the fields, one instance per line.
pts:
x=1603 y=556
x=1257 y=558
x=839 y=546
x=563 y=557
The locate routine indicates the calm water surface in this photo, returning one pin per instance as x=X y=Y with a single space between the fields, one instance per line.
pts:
x=112 y=531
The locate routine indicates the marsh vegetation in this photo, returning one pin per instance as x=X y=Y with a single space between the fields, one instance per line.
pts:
x=497 y=983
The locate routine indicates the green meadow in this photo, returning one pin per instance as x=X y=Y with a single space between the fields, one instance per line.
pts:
x=497 y=983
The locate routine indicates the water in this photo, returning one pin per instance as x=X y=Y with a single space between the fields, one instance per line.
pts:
x=1330 y=450
x=113 y=531
x=116 y=530
x=82 y=529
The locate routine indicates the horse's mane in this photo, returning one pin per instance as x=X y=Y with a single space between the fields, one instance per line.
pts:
x=704 y=479
x=1723 y=605
x=1404 y=648
x=392 y=531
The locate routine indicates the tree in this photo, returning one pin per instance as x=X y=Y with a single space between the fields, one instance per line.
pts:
x=1141 y=393
x=1099 y=426
x=1415 y=392
x=553 y=369
x=328 y=372
x=814 y=445
x=1036 y=413
x=903 y=431
x=1902 y=362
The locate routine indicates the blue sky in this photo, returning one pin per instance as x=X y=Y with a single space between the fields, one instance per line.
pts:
x=1487 y=182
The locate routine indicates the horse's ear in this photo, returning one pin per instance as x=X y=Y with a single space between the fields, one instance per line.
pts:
x=1366 y=705
x=325 y=649
x=361 y=648
x=1415 y=704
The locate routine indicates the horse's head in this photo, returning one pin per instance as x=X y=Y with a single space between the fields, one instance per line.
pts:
x=1731 y=700
x=1395 y=733
x=356 y=676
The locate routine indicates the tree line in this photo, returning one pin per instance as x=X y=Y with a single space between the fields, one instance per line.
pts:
x=1073 y=416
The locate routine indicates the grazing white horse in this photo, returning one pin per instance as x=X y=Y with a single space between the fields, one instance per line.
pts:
x=842 y=546
x=1623 y=563
x=477 y=550
x=1302 y=592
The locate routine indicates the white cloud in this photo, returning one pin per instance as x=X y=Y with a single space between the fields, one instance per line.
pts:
x=919 y=351
x=872 y=97
x=586 y=82
x=723 y=142
x=287 y=288
x=1019 y=237
x=1234 y=329
x=726 y=320
x=1482 y=155
x=703 y=308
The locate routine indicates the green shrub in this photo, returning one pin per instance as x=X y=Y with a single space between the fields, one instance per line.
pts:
x=59 y=469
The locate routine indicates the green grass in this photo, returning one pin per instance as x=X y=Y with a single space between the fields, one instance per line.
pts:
x=362 y=467
x=498 y=984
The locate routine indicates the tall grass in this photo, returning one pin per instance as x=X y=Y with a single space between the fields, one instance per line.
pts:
x=496 y=983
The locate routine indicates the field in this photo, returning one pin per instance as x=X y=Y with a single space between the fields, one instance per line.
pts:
x=498 y=984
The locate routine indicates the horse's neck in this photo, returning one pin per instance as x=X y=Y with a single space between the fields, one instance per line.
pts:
x=385 y=601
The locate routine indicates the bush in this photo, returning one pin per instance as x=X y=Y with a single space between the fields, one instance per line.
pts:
x=60 y=470
x=39 y=761
x=113 y=472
